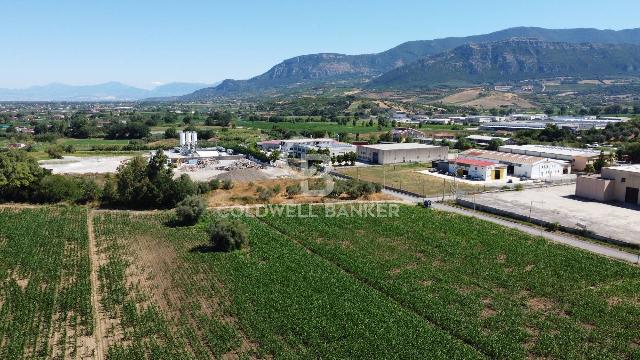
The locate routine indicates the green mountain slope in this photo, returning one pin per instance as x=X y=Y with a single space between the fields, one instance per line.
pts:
x=512 y=60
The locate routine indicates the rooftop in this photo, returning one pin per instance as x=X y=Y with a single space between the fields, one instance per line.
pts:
x=560 y=150
x=400 y=146
x=634 y=168
x=474 y=162
x=501 y=156
x=486 y=138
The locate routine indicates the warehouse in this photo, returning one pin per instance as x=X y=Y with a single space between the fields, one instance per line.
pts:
x=478 y=169
x=617 y=183
x=400 y=153
x=579 y=158
x=335 y=149
x=518 y=165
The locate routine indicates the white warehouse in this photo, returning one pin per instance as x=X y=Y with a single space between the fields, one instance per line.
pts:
x=532 y=167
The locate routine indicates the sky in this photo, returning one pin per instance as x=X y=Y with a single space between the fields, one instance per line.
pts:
x=145 y=43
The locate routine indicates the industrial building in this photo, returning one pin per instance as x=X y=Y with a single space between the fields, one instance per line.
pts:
x=579 y=158
x=189 y=153
x=478 y=169
x=287 y=145
x=336 y=148
x=518 y=165
x=617 y=183
x=484 y=140
x=400 y=153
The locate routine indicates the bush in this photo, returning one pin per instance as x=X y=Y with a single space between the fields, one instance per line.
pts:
x=189 y=210
x=55 y=151
x=214 y=184
x=227 y=185
x=277 y=188
x=227 y=235
x=293 y=190
x=553 y=226
x=265 y=195
x=519 y=187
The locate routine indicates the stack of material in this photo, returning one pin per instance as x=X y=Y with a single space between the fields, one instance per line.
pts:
x=240 y=165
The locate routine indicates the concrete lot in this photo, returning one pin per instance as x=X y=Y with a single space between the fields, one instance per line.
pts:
x=557 y=204
x=84 y=165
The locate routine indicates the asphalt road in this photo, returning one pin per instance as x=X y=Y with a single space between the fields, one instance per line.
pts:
x=536 y=231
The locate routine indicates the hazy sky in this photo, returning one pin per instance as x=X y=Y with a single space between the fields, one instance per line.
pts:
x=142 y=42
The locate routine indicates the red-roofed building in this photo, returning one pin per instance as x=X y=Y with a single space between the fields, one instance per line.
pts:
x=478 y=169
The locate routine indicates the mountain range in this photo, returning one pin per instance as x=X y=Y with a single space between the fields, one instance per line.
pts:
x=111 y=91
x=513 y=60
x=325 y=68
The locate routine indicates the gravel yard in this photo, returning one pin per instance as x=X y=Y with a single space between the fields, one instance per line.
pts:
x=558 y=204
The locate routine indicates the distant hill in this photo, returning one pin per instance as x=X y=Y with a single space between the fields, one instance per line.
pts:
x=323 y=68
x=111 y=91
x=512 y=60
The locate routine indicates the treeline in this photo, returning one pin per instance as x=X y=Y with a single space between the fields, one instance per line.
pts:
x=140 y=184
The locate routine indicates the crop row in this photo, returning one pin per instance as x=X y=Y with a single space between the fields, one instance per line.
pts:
x=271 y=299
x=508 y=294
x=45 y=308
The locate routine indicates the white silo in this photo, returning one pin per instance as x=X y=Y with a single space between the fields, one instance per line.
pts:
x=194 y=138
x=182 y=138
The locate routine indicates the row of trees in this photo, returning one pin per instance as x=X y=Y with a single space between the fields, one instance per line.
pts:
x=140 y=184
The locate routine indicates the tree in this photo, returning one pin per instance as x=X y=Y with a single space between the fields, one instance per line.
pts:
x=171 y=133
x=589 y=169
x=55 y=151
x=19 y=175
x=189 y=210
x=495 y=144
x=227 y=235
x=274 y=156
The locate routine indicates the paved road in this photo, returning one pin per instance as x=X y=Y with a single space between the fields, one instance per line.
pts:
x=536 y=231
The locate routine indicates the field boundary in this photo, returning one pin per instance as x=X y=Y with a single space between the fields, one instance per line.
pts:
x=377 y=289
x=98 y=333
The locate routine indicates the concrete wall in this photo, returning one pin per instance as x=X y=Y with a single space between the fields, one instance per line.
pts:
x=631 y=179
x=594 y=188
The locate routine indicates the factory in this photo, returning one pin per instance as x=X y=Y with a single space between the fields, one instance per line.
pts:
x=579 y=158
x=335 y=148
x=484 y=140
x=617 y=183
x=532 y=167
x=401 y=153
x=189 y=153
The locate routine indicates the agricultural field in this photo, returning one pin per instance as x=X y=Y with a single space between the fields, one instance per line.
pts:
x=425 y=282
x=45 y=291
x=406 y=177
x=313 y=126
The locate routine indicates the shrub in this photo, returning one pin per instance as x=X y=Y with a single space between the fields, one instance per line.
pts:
x=189 y=210
x=57 y=188
x=277 y=188
x=265 y=195
x=553 y=226
x=214 y=184
x=227 y=235
x=227 y=185
x=293 y=190
x=55 y=151
x=519 y=187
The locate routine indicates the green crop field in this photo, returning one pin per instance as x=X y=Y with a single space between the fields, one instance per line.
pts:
x=425 y=283
x=332 y=127
x=45 y=306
